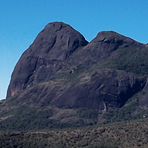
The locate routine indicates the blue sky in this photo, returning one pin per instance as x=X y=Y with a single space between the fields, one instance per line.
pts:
x=21 y=21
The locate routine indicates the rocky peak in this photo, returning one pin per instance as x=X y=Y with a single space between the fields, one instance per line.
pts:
x=53 y=45
x=114 y=37
x=57 y=40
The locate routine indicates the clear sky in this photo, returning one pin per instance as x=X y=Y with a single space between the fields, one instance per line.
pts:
x=21 y=21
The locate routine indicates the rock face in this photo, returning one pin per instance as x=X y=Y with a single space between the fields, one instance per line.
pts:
x=101 y=47
x=54 y=44
x=62 y=70
x=103 y=89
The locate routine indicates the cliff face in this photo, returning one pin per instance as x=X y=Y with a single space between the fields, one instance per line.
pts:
x=50 y=50
x=61 y=70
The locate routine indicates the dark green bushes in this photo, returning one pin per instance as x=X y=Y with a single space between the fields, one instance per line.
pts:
x=129 y=59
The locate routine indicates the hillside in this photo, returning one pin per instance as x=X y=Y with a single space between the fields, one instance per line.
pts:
x=118 y=135
x=62 y=80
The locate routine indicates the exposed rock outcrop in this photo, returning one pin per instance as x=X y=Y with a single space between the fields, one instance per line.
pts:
x=108 y=86
x=61 y=71
x=48 y=53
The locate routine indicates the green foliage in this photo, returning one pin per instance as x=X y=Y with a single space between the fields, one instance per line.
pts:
x=130 y=111
x=115 y=135
x=23 y=119
x=129 y=59
x=21 y=140
x=87 y=113
x=32 y=119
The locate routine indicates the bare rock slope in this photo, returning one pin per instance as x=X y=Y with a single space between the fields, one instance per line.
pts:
x=54 y=44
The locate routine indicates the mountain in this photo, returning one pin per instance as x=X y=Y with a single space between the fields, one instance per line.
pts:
x=52 y=47
x=62 y=80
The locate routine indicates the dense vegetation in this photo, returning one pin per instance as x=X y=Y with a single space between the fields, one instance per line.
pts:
x=34 y=119
x=24 y=119
x=129 y=59
x=118 y=135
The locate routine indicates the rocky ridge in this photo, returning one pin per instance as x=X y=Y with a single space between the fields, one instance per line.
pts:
x=62 y=72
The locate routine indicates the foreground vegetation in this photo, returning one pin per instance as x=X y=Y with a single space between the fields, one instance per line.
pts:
x=116 y=135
